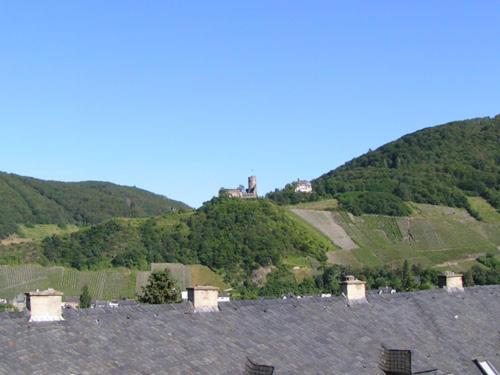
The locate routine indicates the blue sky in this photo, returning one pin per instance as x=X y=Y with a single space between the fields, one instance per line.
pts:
x=183 y=97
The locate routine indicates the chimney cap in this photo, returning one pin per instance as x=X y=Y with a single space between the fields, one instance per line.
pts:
x=350 y=279
x=48 y=292
x=203 y=287
x=451 y=274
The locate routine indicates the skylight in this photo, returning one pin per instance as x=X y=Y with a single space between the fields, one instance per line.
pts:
x=486 y=367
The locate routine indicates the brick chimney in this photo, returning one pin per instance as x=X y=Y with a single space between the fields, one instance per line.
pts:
x=451 y=281
x=204 y=298
x=44 y=306
x=353 y=289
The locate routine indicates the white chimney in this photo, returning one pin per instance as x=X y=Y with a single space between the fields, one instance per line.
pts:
x=44 y=306
x=353 y=289
x=204 y=298
x=451 y=281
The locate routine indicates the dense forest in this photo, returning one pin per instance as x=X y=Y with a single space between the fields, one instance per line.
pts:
x=25 y=200
x=232 y=236
x=438 y=165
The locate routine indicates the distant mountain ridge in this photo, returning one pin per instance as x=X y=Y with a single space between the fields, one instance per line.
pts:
x=437 y=165
x=27 y=200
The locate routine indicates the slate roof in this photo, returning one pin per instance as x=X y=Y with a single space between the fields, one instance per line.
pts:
x=307 y=336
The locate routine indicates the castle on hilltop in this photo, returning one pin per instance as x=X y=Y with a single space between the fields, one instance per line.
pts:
x=241 y=192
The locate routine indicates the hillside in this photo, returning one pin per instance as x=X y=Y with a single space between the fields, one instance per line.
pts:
x=26 y=200
x=432 y=236
x=234 y=237
x=438 y=165
x=439 y=237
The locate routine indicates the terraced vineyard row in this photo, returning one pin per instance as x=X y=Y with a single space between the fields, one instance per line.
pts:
x=105 y=284
x=431 y=236
x=115 y=283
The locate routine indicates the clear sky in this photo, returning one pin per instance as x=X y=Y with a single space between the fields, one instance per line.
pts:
x=183 y=97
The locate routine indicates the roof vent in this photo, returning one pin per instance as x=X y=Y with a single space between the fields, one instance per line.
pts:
x=395 y=362
x=451 y=281
x=252 y=368
x=398 y=362
x=204 y=298
x=353 y=289
x=44 y=306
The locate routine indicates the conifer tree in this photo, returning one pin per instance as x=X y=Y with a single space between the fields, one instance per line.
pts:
x=161 y=288
x=85 y=298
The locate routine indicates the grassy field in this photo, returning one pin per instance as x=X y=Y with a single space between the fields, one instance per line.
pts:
x=432 y=236
x=324 y=205
x=202 y=275
x=314 y=232
x=486 y=211
x=40 y=231
x=37 y=233
x=297 y=260
x=186 y=275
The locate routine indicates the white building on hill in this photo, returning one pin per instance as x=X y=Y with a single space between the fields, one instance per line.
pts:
x=303 y=186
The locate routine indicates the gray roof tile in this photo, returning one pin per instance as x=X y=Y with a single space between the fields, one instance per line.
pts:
x=308 y=336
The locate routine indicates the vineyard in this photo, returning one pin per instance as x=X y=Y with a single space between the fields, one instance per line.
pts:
x=105 y=284
x=430 y=236
x=115 y=283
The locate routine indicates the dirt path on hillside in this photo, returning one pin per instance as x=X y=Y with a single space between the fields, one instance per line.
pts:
x=325 y=222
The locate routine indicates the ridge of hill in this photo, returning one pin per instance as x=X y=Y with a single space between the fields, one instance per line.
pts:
x=26 y=200
x=440 y=165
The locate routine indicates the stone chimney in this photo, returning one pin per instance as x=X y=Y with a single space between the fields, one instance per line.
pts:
x=451 y=281
x=44 y=306
x=204 y=298
x=353 y=289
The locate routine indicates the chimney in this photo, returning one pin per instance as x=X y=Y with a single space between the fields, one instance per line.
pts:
x=204 y=298
x=353 y=289
x=44 y=306
x=451 y=281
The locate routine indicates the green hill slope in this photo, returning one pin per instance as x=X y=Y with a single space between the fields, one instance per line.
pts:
x=431 y=236
x=439 y=165
x=25 y=200
x=234 y=237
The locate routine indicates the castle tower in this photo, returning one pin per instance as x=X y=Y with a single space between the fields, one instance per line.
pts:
x=252 y=185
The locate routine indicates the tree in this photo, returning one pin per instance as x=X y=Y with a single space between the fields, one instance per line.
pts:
x=407 y=277
x=161 y=288
x=85 y=298
x=468 y=278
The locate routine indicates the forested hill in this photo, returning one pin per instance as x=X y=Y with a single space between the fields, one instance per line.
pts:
x=232 y=236
x=438 y=165
x=26 y=200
